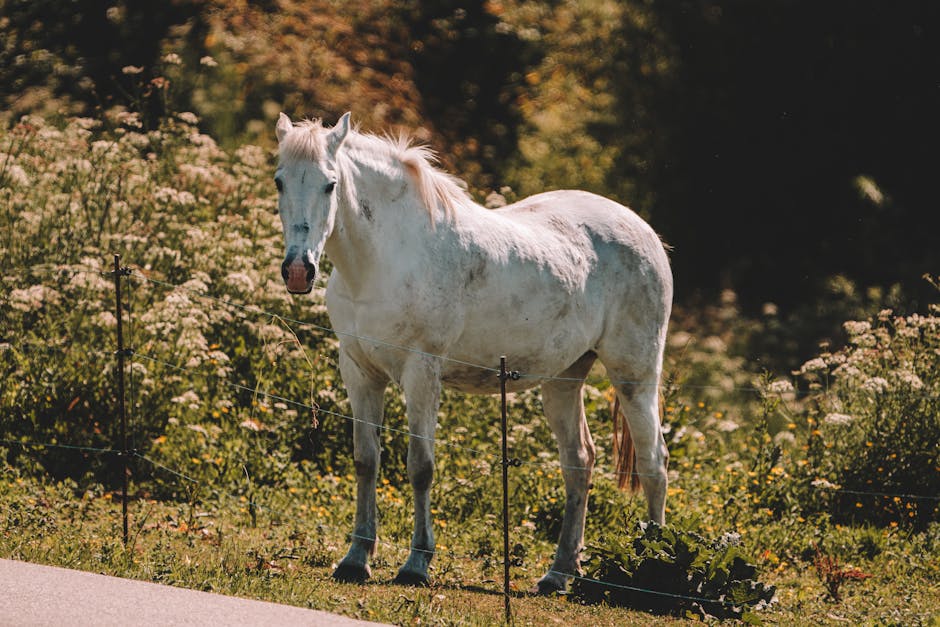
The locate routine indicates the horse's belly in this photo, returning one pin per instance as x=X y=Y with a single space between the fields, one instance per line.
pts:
x=534 y=350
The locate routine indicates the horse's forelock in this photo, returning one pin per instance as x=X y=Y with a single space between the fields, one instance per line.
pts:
x=306 y=141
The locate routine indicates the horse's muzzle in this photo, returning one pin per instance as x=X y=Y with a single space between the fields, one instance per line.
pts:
x=298 y=275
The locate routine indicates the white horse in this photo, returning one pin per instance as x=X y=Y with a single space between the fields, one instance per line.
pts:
x=553 y=282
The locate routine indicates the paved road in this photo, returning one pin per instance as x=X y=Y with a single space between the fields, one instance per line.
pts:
x=48 y=596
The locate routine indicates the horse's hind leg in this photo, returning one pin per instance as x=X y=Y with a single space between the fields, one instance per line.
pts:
x=639 y=402
x=563 y=402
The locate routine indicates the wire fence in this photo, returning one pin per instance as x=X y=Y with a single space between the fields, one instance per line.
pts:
x=141 y=357
x=252 y=310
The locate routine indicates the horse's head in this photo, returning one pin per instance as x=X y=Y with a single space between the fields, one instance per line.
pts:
x=306 y=179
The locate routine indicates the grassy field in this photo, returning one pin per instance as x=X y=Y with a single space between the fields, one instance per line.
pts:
x=279 y=550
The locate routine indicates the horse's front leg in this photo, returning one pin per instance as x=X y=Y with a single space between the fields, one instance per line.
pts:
x=421 y=384
x=366 y=396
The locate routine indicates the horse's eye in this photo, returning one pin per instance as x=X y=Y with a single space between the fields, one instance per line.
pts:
x=279 y=184
x=330 y=187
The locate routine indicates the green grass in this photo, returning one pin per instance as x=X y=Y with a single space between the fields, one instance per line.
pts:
x=283 y=555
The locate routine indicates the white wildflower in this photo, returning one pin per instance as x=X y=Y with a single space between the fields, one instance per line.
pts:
x=129 y=118
x=16 y=175
x=106 y=319
x=853 y=327
x=172 y=59
x=208 y=61
x=838 y=419
x=137 y=140
x=252 y=156
x=911 y=380
x=32 y=298
x=785 y=438
x=199 y=173
x=79 y=165
x=132 y=69
x=847 y=371
x=171 y=195
x=101 y=147
x=188 y=117
x=200 y=281
x=727 y=426
x=780 y=386
x=203 y=141
x=241 y=282
x=188 y=398
x=218 y=356
x=729 y=538
x=876 y=385
x=824 y=484
x=813 y=365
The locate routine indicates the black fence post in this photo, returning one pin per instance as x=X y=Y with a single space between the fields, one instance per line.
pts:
x=504 y=375
x=121 y=353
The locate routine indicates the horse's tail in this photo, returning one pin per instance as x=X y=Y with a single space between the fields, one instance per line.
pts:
x=624 y=453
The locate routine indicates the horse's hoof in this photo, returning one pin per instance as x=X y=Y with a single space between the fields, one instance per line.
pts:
x=352 y=573
x=548 y=586
x=411 y=578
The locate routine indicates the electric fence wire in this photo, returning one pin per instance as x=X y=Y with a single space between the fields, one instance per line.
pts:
x=456 y=446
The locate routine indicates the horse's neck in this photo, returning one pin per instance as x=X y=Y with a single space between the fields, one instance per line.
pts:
x=383 y=225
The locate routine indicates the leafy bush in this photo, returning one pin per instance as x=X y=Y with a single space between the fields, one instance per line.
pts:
x=196 y=225
x=670 y=570
x=874 y=420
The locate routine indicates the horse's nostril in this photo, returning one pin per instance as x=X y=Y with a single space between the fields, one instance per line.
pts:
x=285 y=272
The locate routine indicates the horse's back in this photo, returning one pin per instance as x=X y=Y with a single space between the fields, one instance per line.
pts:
x=567 y=272
x=620 y=244
x=604 y=219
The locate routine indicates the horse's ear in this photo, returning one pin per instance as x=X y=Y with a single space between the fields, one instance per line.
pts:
x=283 y=126
x=338 y=133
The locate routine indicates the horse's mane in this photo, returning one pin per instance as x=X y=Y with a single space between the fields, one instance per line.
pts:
x=436 y=189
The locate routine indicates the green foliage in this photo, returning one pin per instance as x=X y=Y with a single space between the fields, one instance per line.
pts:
x=875 y=420
x=190 y=219
x=671 y=570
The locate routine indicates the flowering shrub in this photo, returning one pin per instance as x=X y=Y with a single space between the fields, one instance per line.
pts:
x=190 y=220
x=873 y=441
